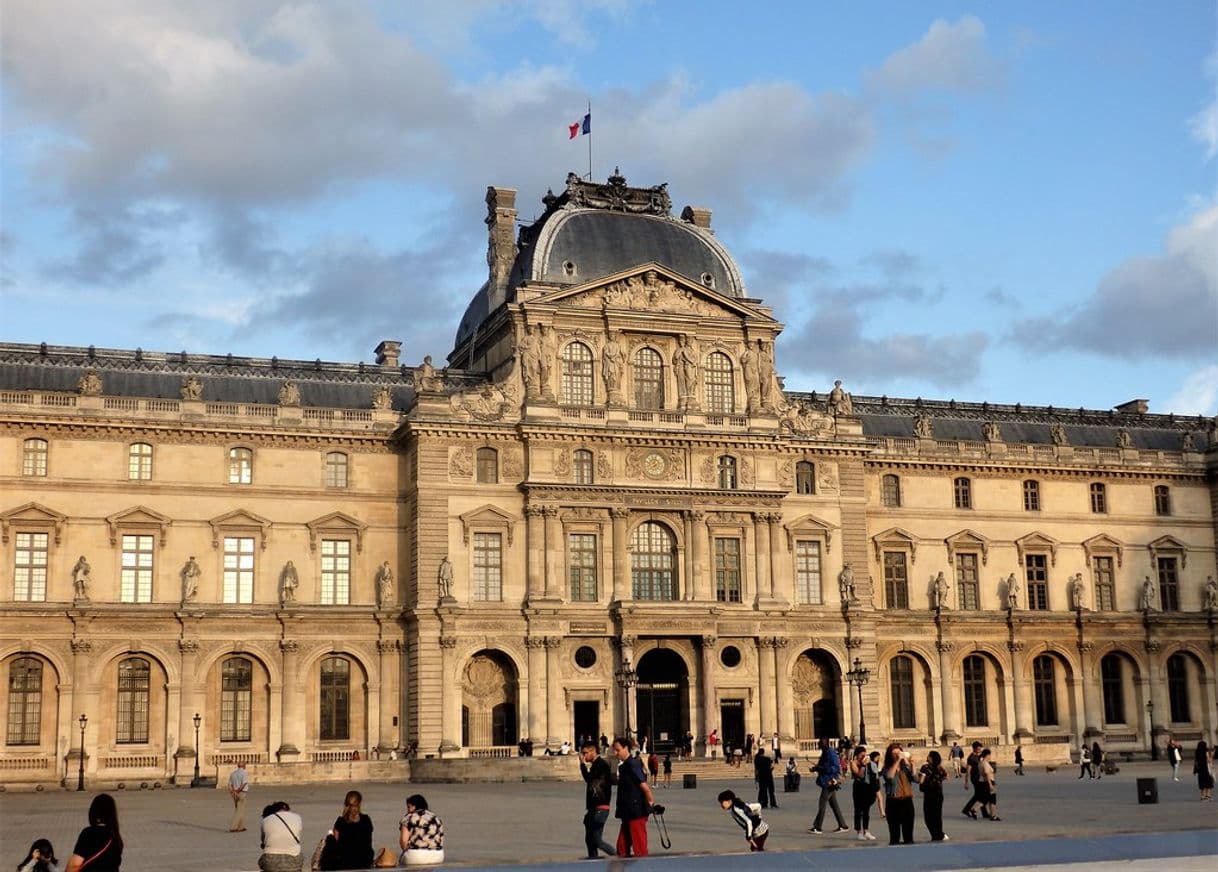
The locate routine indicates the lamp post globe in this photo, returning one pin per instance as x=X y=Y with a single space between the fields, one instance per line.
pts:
x=194 y=782
x=80 y=772
x=626 y=678
x=858 y=676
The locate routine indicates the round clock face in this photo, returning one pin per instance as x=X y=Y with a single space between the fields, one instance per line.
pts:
x=654 y=465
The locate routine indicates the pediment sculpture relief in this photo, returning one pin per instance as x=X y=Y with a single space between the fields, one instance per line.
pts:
x=802 y=418
x=650 y=292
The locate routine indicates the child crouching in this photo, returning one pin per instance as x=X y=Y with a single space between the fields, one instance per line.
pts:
x=748 y=815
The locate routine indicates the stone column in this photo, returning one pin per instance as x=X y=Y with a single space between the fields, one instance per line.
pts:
x=1020 y=693
x=766 y=686
x=761 y=548
x=621 y=557
x=951 y=707
x=781 y=589
x=536 y=715
x=706 y=686
x=785 y=698
x=292 y=704
x=450 y=697
x=690 y=586
x=1093 y=699
x=555 y=552
x=1158 y=692
x=702 y=582
x=535 y=546
x=189 y=650
x=630 y=697
x=556 y=726
x=389 y=651
x=81 y=705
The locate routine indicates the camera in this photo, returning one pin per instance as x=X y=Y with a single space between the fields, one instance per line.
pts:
x=657 y=809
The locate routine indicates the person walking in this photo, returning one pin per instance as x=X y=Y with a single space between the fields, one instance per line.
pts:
x=634 y=801
x=653 y=767
x=1175 y=754
x=349 y=843
x=99 y=847
x=748 y=748
x=280 y=842
x=956 y=755
x=1019 y=759
x=598 y=785
x=666 y=766
x=239 y=790
x=776 y=746
x=930 y=779
x=971 y=775
x=763 y=774
x=420 y=834
x=1084 y=762
x=864 y=786
x=41 y=858
x=755 y=829
x=1203 y=768
x=1097 y=760
x=899 y=778
x=989 y=783
x=828 y=771
x=712 y=742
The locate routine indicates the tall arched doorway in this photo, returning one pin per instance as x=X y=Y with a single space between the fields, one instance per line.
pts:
x=488 y=701
x=663 y=698
x=815 y=681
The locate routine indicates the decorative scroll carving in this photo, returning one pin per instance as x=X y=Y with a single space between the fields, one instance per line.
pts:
x=648 y=292
x=81 y=646
x=188 y=646
x=513 y=463
x=653 y=463
x=289 y=646
x=826 y=477
x=617 y=196
x=192 y=389
x=90 y=384
x=604 y=467
x=289 y=394
x=562 y=462
x=746 y=473
x=490 y=402
x=382 y=400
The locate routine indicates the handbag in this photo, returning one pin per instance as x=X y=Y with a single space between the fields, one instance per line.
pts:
x=315 y=861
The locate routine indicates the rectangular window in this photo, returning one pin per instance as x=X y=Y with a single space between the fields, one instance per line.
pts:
x=967 y=582
x=807 y=570
x=1162 y=500
x=30 y=568
x=581 y=563
x=727 y=570
x=238 y=569
x=131 y=726
x=896 y=580
x=34 y=458
x=1105 y=594
x=1169 y=585
x=1113 y=683
x=976 y=707
x=1177 y=689
x=135 y=580
x=1099 y=498
x=488 y=567
x=1031 y=496
x=1036 y=574
x=24 y=702
x=1044 y=687
x=963 y=489
x=901 y=676
x=335 y=572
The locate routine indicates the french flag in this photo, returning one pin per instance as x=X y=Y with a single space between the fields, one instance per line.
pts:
x=580 y=128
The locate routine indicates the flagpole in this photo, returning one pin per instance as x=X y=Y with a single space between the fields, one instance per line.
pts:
x=589 y=140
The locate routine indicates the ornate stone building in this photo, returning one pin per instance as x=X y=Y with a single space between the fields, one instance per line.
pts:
x=327 y=560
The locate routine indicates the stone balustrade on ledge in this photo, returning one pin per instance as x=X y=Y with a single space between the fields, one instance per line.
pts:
x=1021 y=452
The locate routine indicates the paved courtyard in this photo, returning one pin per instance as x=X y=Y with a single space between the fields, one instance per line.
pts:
x=490 y=824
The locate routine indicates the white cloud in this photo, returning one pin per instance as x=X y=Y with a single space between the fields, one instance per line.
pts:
x=1198 y=395
x=950 y=56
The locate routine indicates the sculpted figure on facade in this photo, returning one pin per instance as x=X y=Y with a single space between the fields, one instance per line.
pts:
x=1210 y=597
x=1058 y=434
x=613 y=364
x=426 y=380
x=993 y=433
x=1122 y=438
x=486 y=403
x=1186 y=442
x=81 y=579
x=799 y=417
x=382 y=400
x=90 y=384
x=840 y=402
x=765 y=365
x=547 y=348
x=190 y=580
x=1012 y=592
x=289 y=581
x=938 y=590
x=1147 y=602
x=444 y=579
x=845 y=585
x=685 y=367
x=1078 y=593
x=923 y=427
x=192 y=388
x=528 y=351
x=751 y=371
x=289 y=394
x=384 y=585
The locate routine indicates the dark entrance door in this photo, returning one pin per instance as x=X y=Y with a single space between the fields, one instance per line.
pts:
x=663 y=699
x=587 y=719
x=824 y=718
x=731 y=722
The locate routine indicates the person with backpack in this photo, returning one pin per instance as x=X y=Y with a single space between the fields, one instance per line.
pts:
x=865 y=786
x=748 y=816
x=1084 y=762
x=828 y=771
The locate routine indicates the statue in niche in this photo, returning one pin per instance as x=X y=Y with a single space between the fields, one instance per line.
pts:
x=1058 y=434
x=1012 y=592
x=1186 y=442
x=190 y=580
x=81 y=580
x=751 y=371
x=613 y=363
x=529 y=353
x=840 y=402
x=1148 y=595
x=384 y=585
x=1210 y=599
x=547 y=347
x=289 y=394
x=382 y=400
x=445 y=579
x=192 y=388
x=1077 y=592
x=845 y=585
x=685 y=366
x=90 y=384
x=288 y=582
x=938 y=591
x=923 y=428
x=765 y=365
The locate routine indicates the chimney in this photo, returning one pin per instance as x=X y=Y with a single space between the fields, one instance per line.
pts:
x=501 y=242
x=388 y=352
x=697 y=216
x=1134 y=407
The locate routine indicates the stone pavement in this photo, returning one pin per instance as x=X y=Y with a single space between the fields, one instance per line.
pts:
x=538 y=823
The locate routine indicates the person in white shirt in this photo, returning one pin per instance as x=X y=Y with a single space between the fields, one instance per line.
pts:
x=281 y=828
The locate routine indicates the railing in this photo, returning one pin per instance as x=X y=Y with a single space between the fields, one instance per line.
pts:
x=1121 y=738
x=58 y=400
x=494 y=751
x=1044 y=452
x=223 y=409
x=129 y=404
x=1050 y=740
x=21 y=764
x=642 y=416
x=1109 y=455
x=738 y=420
x=1084 y=453
x=331 y=756
x=671 y=418
x=319 y=414
x=906 y=445
x=232 y=758
x=947 y=445
x=16 y=397
x=132 y=761
x=356 y=415
x=164 y=406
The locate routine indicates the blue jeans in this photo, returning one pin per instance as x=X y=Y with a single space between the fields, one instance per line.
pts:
x=594 y=828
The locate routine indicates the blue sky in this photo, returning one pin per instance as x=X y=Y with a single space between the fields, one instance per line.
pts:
x=985 y=201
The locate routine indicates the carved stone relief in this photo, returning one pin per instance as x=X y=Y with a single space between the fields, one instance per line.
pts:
x=513 y=463
x=562 y=463
x=460 y=463
x=826 y=476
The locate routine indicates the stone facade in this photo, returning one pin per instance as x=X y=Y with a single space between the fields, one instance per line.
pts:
x=331 y=561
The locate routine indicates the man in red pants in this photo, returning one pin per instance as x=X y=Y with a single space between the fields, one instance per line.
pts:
x=634 y=800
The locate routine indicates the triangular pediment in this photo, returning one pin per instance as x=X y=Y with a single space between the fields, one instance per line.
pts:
x=1037 y=542
x=1169 y=546
x=488 y=517
x=336 y=522
x=810 y=525
x=654 y=289
x=138 y=517
x=895 y=537
x=33 y=515
x=1102 y=543
x=967 y=540
x=240 y=519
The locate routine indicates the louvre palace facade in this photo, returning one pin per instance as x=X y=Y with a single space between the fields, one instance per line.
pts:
x=323 y=561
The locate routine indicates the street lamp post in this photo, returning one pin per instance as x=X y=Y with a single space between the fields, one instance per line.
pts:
x=198 y=719
x=858 y=676
x=626 y=678
x=80 y=773
x=1150 y=729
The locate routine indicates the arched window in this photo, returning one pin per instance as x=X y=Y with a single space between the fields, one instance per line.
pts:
x=34 y=457
x=1177 y=689
x=1112 y=680
x=582 y=466
x=727 y=472
x=24 y=702
x=335 y=696
x=890 y=491
x=652 y=563
x=805 y=477
x=488 y=466
x=139 y=462
x=963 y=489
x=1162 y=500
x=1044 y=687
x=976 y=712
x=236 y=699
x=131 y=727
x=336 y=469
x=1099 y=498
x=720 y=391
x=900 y=673
x=577 y=375
x=240 y=466
x=1031 y=496
x=648 y=379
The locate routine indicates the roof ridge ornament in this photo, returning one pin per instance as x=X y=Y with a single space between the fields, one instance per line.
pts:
x=614 y=196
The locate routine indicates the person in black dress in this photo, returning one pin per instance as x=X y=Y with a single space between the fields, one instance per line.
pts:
x=99 y=845
x=349 y=844
x=931 y=777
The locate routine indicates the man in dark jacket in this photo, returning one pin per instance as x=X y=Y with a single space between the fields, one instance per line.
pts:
x=763 y=774
x=634 y=801
x=828 y=771
x=599 y=781
x=972 y=771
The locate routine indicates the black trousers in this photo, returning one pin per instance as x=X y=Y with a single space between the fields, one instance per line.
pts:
x=765 y=792
x=980 y=792
x=594 y=829
x=864 y=799
x=932 y=813
x=900 y=816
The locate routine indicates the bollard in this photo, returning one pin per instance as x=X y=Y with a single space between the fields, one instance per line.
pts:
x=689 y=781
x=1148 y=791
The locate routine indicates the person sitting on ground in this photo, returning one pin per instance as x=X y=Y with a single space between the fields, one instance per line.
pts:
x=748 y=816
x=349 y=842
x=422 y=834
x=281 y=828
x=41 y=858
x=99 y=846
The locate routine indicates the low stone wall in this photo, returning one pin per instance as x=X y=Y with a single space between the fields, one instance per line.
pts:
x=346 y=772
x=461 y=770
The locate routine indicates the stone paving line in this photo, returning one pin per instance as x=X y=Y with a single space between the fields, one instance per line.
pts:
x=522 y=823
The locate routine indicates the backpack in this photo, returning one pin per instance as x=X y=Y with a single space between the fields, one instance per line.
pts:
x=873 y=777
x=754 y=813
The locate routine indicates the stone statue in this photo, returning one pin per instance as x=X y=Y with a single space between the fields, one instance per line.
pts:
x=1148 y=595
x=613 y=363
x=288 y=582
x=923 y=428
x=845 y=585
x=1210 y=602
x=1012 y=592
x=289 y=394
x=765 y=363
x=446 y=578
x=192 y=388
x=426 y=380
x=90 y=384
x=1122 y=438
x=190 y=580
x=993 y=433
x=685 y=366
x=840 y=402
x=1058 y=434
x=751 y=371
x=384 y=585
x=938 y=590
x=80 y=580
x=1186 y=442
x=530 y=361
x=382 y=400
x=1077 y=592
x=547 y=348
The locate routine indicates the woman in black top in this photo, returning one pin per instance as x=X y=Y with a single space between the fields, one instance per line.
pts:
x=349 y=845
x=931 y=777
x=99 y=847
x=1204 y=771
